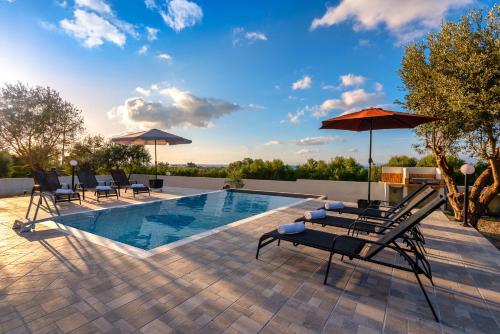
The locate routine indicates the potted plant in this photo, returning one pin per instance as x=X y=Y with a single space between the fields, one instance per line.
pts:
x=234 y=179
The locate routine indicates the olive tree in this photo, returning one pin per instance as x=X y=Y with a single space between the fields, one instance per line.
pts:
x=36 y=123
x=454 y=74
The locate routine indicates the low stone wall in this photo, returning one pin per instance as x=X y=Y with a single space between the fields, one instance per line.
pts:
x=336 y=190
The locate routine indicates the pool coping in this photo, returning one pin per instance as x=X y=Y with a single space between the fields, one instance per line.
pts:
x=142 y=253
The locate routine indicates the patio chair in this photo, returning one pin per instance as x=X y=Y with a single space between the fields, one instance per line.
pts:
x=376 y=224
x=388 y=209
x=88 y=181
x=365 y=249
x=121 y=181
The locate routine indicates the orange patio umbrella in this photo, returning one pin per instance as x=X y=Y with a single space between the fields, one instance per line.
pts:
x=375 y=119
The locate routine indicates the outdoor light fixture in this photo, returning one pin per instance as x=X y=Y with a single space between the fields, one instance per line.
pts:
x=466 y=169
x=73 y=164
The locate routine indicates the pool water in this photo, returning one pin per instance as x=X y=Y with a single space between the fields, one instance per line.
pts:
x=154 y=224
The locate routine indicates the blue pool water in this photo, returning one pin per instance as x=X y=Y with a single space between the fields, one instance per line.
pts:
x=150 y=225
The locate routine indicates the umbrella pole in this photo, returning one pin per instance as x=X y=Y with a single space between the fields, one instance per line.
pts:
x=370 y=165
x=156 y=164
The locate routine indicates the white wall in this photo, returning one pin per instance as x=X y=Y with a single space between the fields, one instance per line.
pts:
x=338 y=190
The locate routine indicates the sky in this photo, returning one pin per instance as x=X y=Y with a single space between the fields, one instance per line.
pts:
x=239 y=78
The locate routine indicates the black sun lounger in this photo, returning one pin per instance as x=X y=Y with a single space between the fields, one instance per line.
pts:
x=365 y=249
x=48 y=183
x=376 y=212
x=88 y=181
x=370 y=224
x=121 y=181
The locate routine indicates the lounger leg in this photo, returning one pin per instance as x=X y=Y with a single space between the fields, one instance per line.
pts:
x=328 y=267
x=426 y=296
x=258 y=249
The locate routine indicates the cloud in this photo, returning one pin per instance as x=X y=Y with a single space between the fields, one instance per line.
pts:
x=150 y=4
x=143 y=91
x=62 y=3
x=352 y=150
x=47 y=25
x=295 y=118
x=164 y=57
x=354 y=99
x=92 y=29
x=143 y=50
x=183 y=109
x=404 y=19
x=273 y=142
x=151 y=33
x=308 y=141
x=96 y=5
x=304 y=83
x=350 y=79
x=242 y=37
x=181 y=14
x=316 y=140
x=364 y=42
x=307 y=151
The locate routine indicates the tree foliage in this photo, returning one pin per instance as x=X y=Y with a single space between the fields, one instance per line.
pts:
x=100 y=155
x=5 y=163
x=402 y=161
x=454 y=74
x=36 y=122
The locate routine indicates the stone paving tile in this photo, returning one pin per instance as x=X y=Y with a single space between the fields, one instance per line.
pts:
x=54 y=283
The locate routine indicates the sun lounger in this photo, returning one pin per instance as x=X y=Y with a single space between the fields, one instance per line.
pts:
x=121 y=181
x=388 y=209
x=87 y=181
x=367 y=250
x=377 y=224
x=48 y=183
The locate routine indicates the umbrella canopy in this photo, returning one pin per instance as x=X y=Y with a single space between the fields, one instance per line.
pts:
x=375 y=119
x=150 y=137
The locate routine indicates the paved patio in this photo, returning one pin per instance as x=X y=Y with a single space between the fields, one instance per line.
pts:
x=54 y=283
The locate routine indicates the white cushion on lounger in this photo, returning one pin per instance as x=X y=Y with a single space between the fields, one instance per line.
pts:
x=137 y=185
x=315 y=214
x=292 y=228
x=64 y=191
x=103 y=188
x=334 y=205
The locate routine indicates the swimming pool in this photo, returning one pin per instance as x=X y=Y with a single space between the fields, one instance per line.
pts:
x=150 y=225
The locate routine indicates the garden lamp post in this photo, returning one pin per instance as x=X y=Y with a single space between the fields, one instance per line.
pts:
x=73 y=164
x=466 y=169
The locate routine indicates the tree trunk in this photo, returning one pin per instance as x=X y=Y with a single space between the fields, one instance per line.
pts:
x=455 y=198
x=485 y=189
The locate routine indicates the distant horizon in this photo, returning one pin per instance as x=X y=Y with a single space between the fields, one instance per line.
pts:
x=238 y=78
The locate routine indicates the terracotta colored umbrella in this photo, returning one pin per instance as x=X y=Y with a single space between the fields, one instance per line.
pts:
x=150 y=137
x=375 y=119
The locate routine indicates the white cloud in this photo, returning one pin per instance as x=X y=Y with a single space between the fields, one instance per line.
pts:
x=143 y=91
x=243 y=37
x=47 y=25
x=351 y=80
x=92 y=29
x=150 y=4
x=304 y=83
x=295 y=118
x=305 y=151
x=316 y=140
x=273 y=142
x=181 y=14
x=164 y=56
x=308 y=141
x=183 y=109
x=99 y=6
x=406 y=20
x=143 y=50
x=152 y=33
x=354 y=99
